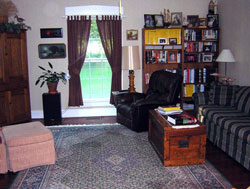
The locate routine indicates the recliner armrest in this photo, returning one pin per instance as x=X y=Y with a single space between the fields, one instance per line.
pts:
x=128 y=97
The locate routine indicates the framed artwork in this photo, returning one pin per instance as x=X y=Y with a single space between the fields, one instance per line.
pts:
x=172 y=56
x=172 y=41
x=213 y=20
x=207 y=58
x=149 y=21
x=159 y=21
x=202 y=22
x=162 y=40
x=176 y=18
x=49 y=51
x=193 y=21
x=132 y=34
x=51 y=32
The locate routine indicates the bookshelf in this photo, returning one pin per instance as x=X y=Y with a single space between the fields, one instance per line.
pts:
x=194 y=50
x=161 y=49
x=200 y=50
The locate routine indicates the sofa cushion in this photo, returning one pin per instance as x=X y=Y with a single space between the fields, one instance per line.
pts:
x=223 y=95
x=243 y=99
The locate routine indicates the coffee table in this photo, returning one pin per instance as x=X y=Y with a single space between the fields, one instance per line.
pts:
x=176 y=146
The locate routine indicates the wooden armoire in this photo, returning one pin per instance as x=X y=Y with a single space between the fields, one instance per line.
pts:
x=14 y=81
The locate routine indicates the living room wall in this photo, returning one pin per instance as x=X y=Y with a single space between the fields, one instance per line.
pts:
x=49 y=14
x=235 y=35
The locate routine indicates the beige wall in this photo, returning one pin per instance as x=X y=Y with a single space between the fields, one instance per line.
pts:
x=47 y=13
x=235 y=35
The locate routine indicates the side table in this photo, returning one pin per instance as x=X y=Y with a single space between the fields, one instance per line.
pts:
x=52 y=109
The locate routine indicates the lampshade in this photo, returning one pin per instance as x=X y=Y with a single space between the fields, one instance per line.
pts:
x=225 y=56
x=130 y=58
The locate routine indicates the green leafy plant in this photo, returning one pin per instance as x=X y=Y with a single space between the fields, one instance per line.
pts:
x=49 y=75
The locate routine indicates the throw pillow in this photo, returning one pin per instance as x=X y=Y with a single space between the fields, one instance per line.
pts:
x=223 y=95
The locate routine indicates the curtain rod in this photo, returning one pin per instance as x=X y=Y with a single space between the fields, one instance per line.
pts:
x=93 y=17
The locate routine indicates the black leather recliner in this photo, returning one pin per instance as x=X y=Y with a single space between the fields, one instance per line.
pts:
x=132 y=108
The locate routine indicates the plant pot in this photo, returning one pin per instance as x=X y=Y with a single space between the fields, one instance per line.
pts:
x=52 y=87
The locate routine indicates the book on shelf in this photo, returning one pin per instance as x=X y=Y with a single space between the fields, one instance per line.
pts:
x=181 y=119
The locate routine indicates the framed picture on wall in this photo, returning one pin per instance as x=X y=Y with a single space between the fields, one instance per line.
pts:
x=51 y=32
x=49 y=51
x=132 y=34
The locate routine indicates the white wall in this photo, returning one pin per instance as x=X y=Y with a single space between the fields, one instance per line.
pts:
x=46 y=14
x=235 y=35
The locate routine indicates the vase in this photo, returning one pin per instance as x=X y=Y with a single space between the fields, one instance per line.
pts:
x=52 y=87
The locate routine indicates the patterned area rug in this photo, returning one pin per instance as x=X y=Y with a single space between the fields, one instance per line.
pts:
x=112 y=156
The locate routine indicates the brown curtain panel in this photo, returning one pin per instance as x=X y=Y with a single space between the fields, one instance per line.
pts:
x=111 y=36
x=78 y=37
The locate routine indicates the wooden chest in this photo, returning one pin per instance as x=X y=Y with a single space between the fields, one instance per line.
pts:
x=176 y=146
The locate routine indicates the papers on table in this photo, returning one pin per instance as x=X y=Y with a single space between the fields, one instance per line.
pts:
x=170 y=112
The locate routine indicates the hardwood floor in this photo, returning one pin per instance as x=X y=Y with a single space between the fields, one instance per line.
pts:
x=230 y=169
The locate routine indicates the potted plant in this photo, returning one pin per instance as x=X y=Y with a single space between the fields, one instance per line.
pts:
x=52 y=78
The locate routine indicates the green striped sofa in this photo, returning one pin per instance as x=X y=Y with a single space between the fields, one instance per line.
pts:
x=225 y=110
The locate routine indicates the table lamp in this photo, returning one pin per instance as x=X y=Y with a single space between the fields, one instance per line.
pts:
x=225 y=56
x=131 y=62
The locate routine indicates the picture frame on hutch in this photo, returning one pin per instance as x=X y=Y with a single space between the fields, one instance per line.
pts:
x=172 y=56
x=193 y=21
x=149 y=21
x=212 y=20
x=159 y=21
x=176 y=19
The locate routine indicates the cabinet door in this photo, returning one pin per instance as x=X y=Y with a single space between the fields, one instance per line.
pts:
x=2 y=65
x=4 y=109
x=19 y=105
x=16 y=60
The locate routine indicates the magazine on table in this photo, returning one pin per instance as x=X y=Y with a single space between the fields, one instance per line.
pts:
x=181 y=119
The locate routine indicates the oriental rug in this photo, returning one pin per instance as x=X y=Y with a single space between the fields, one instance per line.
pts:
x=112 y=156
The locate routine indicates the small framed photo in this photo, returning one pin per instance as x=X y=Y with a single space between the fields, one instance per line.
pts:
x=159 y=22
x=162 y=40
x=213 y=20
x=172 y=41
x=49 y=51
x=207 y=48
x=172 y=56
x=193 y=21
x=176 y=19
x=51 y=32
x=202 y=22
x=207 y=58
x=132 y=34
x=149 y=21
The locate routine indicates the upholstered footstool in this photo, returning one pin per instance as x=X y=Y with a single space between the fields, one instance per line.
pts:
x=28 y=145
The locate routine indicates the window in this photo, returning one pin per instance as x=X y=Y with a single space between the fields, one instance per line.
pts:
x=96 y=72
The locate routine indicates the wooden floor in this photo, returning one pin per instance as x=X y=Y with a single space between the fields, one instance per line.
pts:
x=230 y=169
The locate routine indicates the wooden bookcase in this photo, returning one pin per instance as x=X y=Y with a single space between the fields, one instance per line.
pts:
x=200 y=50
x=157 y=51
x=196 y=50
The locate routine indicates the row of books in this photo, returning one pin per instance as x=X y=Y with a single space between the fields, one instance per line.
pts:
x=196 y=75
x=161 y=47
x=189 y=89
x=198 y=35
x=194 y=47
x=154 y=57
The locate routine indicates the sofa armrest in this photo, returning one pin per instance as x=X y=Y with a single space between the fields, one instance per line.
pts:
x=200 y=98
